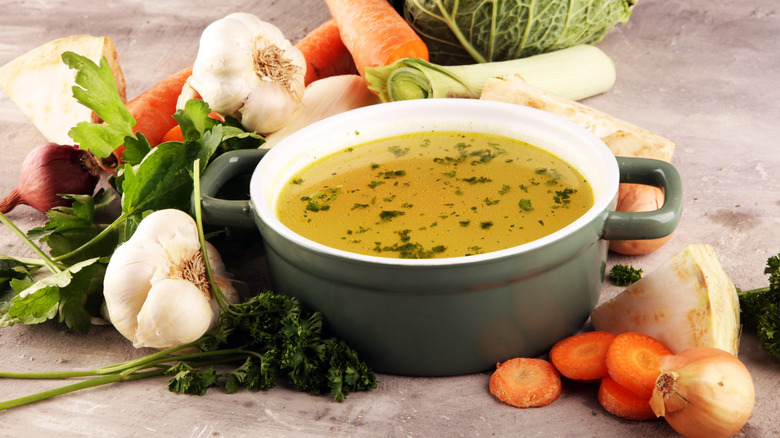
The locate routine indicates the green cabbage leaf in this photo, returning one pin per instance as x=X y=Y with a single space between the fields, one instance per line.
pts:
x=467 y=31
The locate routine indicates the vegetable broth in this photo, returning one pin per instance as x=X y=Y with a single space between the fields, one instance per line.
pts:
x=434 y=195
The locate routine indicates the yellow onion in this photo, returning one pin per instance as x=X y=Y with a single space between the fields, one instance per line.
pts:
x=637 y=198
x=704 y=392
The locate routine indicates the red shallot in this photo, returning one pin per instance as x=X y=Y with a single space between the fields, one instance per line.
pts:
x=51 y=170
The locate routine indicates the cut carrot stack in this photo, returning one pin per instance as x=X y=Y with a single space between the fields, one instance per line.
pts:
x=625 y=365
x=620 y=402
x=633 y=361
x=582 y=357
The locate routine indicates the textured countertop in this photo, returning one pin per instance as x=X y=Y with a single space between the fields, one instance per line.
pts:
x=701 y=72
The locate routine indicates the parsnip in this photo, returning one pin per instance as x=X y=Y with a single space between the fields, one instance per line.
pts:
x=40 y=83
x=622 y=138
x=324 y=98
x=687 y=301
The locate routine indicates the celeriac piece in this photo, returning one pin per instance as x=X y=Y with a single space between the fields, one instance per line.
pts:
x=622 y=138
x=40 y=83
x=688 y=301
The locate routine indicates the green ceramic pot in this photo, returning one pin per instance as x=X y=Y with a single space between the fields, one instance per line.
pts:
x=458 y=315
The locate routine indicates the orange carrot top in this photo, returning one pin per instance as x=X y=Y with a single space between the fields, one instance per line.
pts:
x=325 y=53
x=374 y=33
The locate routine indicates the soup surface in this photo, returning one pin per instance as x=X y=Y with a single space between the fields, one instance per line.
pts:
x=434 y=194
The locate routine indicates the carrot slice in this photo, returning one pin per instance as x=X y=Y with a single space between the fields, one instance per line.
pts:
x=620 y=402
x=633 y=361
x=174 y=134
x=582 y=356
x=374 y=33
x=525 y=382
x=325 y=53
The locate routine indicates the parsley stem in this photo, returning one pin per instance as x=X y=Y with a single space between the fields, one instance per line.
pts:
x=196 y=204
x=111 y=227
x=97 y=381
x=47 y=261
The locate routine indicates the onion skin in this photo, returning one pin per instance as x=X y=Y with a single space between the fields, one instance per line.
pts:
x=704 y=392
x=51 y=170
x=636 y=198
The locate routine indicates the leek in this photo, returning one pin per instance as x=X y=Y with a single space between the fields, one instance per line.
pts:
x=576 y=73
x=686 y=302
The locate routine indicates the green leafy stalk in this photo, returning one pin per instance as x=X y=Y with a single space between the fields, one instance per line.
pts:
x=95 y=88
x=47 y=261
x=760 y=308
x=91 y=383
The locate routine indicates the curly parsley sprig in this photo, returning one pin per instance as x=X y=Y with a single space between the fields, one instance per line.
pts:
x=760 y=308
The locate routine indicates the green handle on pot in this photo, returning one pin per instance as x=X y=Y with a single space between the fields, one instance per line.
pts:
x=650 y=224
x=218 y=211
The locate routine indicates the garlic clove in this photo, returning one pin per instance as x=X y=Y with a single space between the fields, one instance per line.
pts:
x=268 y=108
x=175 y=313
x=126 y=286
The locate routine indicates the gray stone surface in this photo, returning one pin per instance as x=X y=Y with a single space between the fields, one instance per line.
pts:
x=703 y=73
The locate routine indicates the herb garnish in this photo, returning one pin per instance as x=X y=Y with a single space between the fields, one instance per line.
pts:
x=321 y=200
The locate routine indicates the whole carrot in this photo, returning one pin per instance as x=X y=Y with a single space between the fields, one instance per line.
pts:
x=325 y=53
x=153 y=111
x=374 y=33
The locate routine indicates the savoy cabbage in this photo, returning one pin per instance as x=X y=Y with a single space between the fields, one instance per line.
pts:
x=468 y=31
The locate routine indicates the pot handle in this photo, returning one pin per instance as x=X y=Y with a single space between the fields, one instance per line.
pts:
x=650 y=224
x=218 y=211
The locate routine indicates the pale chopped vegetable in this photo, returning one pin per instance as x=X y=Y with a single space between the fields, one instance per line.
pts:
x=622 y=138
x=576 y=73
x=324 y=98
x=40 y=83
x=688 y=301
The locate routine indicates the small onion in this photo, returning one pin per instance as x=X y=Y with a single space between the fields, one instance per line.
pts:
x=638 y=198
x=704 y=392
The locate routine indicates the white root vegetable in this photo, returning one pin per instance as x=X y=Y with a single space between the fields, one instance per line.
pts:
x=636 y=198
x=686 y=302
x=324 y=98
x=622 y=138
x=40 y=83
x=156 y=291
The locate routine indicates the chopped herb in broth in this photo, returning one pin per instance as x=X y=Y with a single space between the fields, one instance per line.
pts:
x=434 y=194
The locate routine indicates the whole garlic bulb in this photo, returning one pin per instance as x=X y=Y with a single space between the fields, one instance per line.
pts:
x=155 y=288
x=247 y=69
